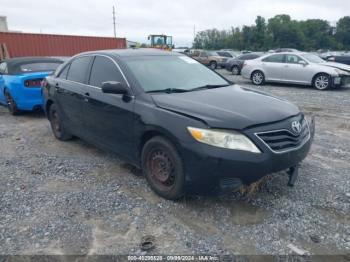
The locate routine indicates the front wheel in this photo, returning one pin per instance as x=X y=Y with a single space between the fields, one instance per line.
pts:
x=163 y=168
x=56 y=124
x=213 y=65
x=258 y=78
x=11 y=104
x=322 y=82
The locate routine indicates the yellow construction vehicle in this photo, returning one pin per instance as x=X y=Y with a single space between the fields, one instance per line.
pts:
x=163 y=42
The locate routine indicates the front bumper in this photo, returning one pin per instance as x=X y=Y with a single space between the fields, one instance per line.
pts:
x=341 y=81
x=210 y=170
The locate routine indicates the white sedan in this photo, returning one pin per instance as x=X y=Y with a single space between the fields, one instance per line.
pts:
x=297 y=68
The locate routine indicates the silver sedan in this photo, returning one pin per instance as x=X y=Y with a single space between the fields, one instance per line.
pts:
x=297 y=68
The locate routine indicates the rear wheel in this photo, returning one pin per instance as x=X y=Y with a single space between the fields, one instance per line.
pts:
x=258 y=78
x=235 y=70
x=56 y=124
x=322 y=82
x=11 y=104
x=163 y=168
x=213 y=65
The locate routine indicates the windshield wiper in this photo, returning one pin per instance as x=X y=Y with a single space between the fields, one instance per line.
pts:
x=168 y=90
x=207 y=87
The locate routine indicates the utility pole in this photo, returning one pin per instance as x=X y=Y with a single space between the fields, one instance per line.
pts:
x=194 y=32
x=115 y=32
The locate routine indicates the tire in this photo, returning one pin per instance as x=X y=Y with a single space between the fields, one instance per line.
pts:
x=11 y=104
x=258 y=78
x=163 y=168
x=321 y=82
x=213 y=65
x=235 y=70
x=56 y=124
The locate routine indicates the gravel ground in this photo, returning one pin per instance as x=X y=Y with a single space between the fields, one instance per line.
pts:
x=72 y=198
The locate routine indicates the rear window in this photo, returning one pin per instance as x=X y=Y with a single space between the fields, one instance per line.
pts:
x=38 y=67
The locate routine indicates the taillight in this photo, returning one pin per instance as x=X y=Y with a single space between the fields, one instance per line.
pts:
x=33 y=83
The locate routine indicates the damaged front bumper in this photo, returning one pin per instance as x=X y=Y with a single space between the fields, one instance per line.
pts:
x=341 y=81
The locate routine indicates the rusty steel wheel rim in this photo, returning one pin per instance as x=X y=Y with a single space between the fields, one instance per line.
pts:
x=161 y=168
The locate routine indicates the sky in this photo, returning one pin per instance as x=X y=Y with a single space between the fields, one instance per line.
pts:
x=136 y=19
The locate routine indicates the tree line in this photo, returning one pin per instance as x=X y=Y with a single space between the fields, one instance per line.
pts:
x=278 y=32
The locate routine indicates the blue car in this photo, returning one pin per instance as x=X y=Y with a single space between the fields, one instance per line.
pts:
x=20 y=82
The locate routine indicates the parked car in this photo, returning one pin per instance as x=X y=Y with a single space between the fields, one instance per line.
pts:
x=187 y=127
x=209 y=58
x=20 y=81
x=235 y=65
x=297 y=68
x=343 y=59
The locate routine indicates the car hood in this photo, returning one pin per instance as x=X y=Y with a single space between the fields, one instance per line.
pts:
x=338 y=66
x=231 y=107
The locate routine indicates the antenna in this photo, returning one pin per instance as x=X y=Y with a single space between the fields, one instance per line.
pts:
x=115 y=32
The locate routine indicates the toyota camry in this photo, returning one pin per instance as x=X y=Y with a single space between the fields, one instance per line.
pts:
x=188 y=128
x=297 y=68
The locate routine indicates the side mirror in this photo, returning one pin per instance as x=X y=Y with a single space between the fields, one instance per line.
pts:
x=302 y=62
x=116 y=88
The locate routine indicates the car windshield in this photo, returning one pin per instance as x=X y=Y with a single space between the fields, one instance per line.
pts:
x=313 y=58
x=157 y=73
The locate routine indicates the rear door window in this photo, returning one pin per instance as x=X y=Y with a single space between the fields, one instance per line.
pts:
x=274 y=59
x=79 y=69
x=104 y=70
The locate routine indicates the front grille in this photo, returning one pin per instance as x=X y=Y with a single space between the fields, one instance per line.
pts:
x=346 y=81
x=280 y=141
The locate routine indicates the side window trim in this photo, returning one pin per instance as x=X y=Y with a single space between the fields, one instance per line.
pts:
x=116 y=65
x=90 y=68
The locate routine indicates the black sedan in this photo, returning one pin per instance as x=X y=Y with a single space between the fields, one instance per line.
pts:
x=187 y=127
x=235 y=65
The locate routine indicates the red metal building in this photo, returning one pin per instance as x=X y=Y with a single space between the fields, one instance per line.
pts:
x=24 y=44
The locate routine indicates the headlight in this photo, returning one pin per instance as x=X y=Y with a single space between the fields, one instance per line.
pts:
x=229 y=140
x=341 y=72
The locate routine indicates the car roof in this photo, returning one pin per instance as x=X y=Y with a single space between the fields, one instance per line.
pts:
x=287 y=53
x=134 y=52
x=29 y=59
x=13 y=64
